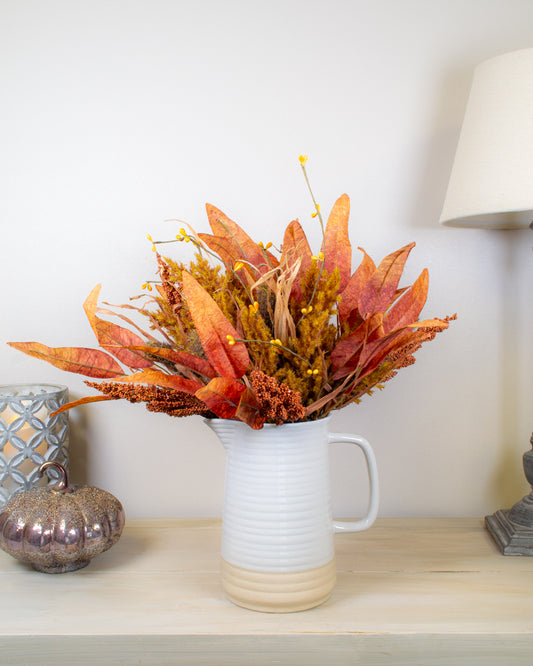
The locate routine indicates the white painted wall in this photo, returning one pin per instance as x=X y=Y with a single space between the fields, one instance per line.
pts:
x=117 y=115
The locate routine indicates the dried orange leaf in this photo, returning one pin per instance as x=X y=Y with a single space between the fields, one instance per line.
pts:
x=371 y=356
x=222 y=226
x=158 y=378
x=83 y=401
x=435 y=323
x=376 y=350
x=380 y=290
x=222 y=396
x=114 y=338
x=350 y=295
x=130 y=322
x=337 y=247
x=227 y=250
x=213 y=329
x=196 y=363
x=407 y=309
x=88 y=362
x=296 y=248
x=248 y=410
x=348 y=351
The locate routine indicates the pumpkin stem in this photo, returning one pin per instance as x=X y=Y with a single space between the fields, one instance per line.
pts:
x=62 y=484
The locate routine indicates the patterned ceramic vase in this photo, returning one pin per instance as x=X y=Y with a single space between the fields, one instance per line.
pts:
x=277 y=537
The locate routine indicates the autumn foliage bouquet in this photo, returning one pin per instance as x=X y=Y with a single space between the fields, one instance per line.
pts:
x=248 y=332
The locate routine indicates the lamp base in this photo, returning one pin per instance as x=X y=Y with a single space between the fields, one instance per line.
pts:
x=511 y=538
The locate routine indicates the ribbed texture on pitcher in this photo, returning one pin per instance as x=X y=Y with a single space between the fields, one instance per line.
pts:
x=277 y=508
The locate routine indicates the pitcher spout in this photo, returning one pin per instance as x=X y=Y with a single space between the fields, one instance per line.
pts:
x=224 y=429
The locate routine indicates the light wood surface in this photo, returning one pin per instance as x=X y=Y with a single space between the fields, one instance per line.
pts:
x=409 y=591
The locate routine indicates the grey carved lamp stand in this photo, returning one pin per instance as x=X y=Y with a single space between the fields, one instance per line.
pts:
x=491 y=187
x=513 y=530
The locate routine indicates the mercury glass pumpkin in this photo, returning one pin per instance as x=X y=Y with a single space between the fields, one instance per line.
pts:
x=60 y=528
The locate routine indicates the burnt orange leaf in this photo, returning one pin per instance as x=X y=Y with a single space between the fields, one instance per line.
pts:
x=222 y=396
x=230 y=253
x=407 y=309
x=130 y=322
x=222 y=226
x=248 y=410
x=223 y=247
x=161 y=291
x=380 y=290
x=435 y=323
x=88 y=362
x=213 y=328
x=377 y=349
x=83 y=401
x=195 y=363
x=296 y=248
x=112 y=337
x=371 y=356
x=347 y=352
x=337 y=247
x=400 y=342
x=350 y=295
x=158 y=378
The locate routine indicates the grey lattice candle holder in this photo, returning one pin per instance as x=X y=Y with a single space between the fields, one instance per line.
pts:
x=29 y=436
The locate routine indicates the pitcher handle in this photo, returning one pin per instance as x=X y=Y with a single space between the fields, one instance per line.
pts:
x=366 y=522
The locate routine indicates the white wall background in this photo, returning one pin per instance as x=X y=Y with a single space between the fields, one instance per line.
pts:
x=116 y=115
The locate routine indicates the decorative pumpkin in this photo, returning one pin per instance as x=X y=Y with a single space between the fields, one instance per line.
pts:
x=60 y=528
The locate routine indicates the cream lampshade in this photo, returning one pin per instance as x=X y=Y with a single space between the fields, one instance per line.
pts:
x=491 y=186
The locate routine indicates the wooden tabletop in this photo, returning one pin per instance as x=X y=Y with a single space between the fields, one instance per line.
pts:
x=409 y=591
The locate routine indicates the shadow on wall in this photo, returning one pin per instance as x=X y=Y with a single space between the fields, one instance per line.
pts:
x=509 y=484
x=78 y=437
x=442 y=137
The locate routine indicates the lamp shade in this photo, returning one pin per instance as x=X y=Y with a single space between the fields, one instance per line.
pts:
x=491 y=184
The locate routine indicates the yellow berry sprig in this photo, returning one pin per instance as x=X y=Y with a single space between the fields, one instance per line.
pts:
x=275 y=343
x=317 y=213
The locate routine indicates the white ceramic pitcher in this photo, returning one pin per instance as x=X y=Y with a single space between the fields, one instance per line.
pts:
x=277 y=537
